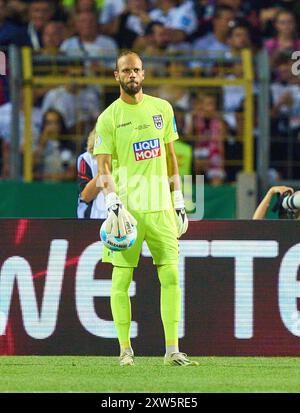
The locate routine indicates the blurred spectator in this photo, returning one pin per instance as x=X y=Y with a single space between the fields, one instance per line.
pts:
x=242 y=9
x=40 y=13
x=17 y=11
x=285 y=96
x=85 y=5
x=239 y=36
x=268 y=10
x=10 y=33
x=178 y=96
x=158 y=42
x=54 y=157
x=110 y=11
x=286 y=37
x=91 y=203
x=157 y=39
x=233 y=98
x=80 y=6
x=52 y=37
x=3 y=90
x=204 y=10
x=208 y=130
x=5 y=133
x=285 y=118
x=217 y=40
x=130 y=24
x=89 y=42
x=178 y=16
x=78 y=105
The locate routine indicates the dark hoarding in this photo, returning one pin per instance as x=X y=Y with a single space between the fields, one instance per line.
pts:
x=239 y=283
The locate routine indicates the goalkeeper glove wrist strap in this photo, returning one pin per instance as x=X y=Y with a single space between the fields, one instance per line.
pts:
x=112 y=199
x=178 y=200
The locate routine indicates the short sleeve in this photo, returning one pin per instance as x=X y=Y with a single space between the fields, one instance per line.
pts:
x=104 y=142
x=171 y=127
x=84 y=174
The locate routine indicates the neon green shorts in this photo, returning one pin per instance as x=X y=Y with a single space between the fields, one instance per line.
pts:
x=160 y=232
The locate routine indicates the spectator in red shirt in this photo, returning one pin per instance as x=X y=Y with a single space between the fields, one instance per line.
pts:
x=208 y=130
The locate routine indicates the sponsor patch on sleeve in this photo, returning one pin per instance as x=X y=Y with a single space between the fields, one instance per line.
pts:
x=174 y=125
x=98 y=141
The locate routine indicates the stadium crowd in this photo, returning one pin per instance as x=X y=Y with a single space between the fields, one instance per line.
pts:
x=211 y=123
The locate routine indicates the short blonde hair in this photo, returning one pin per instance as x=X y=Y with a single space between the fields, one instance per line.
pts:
x=91 y=141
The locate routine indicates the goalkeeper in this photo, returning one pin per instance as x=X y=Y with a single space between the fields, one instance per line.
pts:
x=135 y=134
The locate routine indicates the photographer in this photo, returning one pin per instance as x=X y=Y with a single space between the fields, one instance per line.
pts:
x=283 y=193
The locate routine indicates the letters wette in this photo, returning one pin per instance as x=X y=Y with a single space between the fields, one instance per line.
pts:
x=277 y=260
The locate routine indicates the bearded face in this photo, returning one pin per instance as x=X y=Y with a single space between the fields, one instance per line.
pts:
x=130 y=74
x=131 y=88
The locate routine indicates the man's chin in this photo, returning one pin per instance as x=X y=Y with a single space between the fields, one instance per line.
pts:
x=132 y=91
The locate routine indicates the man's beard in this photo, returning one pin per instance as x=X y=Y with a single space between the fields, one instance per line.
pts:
x=131 y=88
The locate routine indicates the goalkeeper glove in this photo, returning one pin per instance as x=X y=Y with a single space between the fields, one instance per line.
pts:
x=182 y=220
x=119 y=221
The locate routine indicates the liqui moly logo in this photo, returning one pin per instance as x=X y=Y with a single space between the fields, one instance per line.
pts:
x=146 y=149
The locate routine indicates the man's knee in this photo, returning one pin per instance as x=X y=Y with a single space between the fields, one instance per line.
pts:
x=121 y=278
x=168 y=275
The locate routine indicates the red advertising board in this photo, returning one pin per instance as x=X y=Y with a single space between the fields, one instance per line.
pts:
x=239 y=283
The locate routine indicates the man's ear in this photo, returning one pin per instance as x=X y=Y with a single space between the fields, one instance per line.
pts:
x=116 y=73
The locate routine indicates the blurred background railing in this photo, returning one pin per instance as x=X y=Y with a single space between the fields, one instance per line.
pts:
x=217 y=137
x=226 y=66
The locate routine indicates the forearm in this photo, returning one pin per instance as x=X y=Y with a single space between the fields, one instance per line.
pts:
x=173 y=170
x=105 y=179
x=91 y=190
x=262 y=208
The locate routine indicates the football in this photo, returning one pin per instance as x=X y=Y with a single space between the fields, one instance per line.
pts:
x=117 y=243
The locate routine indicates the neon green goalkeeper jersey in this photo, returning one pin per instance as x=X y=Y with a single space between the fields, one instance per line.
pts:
x=135 y=136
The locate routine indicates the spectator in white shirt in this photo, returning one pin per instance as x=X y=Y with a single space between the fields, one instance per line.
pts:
x=128 y=26
x=178 y=16
x=52 y=36
x=110 y=10
x=5 y=132
x=217 y=40
x=239 y=38
x=54 y=157
x=89 y=42
x=285 y=99
x=78 y=106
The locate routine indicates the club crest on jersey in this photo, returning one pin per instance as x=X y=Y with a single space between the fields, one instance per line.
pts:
x=158 y=121
x=146 y=149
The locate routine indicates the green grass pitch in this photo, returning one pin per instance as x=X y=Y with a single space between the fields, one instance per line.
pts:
x=103 y=374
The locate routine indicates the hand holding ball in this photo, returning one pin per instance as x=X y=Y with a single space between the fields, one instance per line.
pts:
x=115 y=243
